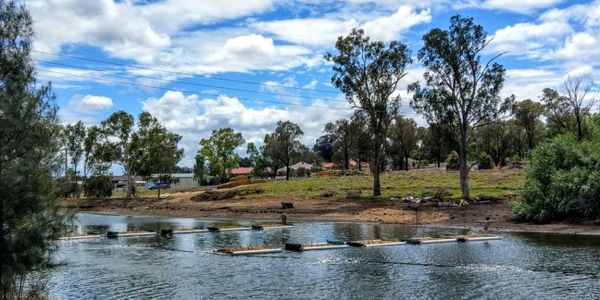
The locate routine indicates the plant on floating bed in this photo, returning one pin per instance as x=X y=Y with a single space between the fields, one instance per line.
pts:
x=243 y=248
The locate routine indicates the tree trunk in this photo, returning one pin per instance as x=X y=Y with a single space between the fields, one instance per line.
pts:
x=376 y=183
x=346 y=159
x=129 y=187
x=406 y=163
x=462 y=160
x=579 y=126
x=359 y=165
x=287 y=170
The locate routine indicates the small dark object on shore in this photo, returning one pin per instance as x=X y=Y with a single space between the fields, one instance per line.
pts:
x=213 y=229
x=257 y=227
x=413 y=241
x=112 y=234
x=484 y=201
x=287 y=205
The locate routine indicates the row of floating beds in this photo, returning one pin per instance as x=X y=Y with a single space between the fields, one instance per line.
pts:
x=113 y=234
x=330 y=245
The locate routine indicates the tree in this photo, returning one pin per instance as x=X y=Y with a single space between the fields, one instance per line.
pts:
x=324 y=147
x=437 y=142
x=219 y=149
x=286 y=144
x=343 y=136
x=459 y=86
x=199 y=168
x=74 y=137
x=157 y=148
x=570 y=110
x=115 y=144
x=368 y=72
x=30 y=220
x=527 y=115
x=404 y=137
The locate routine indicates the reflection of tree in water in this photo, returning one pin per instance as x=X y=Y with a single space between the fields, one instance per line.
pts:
x=95 y=229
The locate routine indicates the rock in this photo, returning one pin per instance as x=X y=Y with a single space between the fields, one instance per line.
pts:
x=328 y=194
x=353 y=193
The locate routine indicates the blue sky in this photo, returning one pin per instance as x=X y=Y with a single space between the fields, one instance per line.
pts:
x=201 y=65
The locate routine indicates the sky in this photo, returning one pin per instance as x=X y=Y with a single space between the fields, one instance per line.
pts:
x=199 y=65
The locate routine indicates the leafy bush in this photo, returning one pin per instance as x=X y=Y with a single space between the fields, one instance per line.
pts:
x=485 y=161
x=66 y=186
x=301 y=172
x=562 y=180
x=452 y=161
x=98 y=186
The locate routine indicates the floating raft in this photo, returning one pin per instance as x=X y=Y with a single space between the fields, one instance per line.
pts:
x=247 y=250
x=112 y=234
x=79 y=237
x=374 y=243
x=313 y=246
x=187 y=231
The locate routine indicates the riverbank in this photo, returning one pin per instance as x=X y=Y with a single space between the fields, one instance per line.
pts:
x=256 y=207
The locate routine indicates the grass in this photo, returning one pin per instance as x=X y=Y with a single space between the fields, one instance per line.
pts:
x=491 y=183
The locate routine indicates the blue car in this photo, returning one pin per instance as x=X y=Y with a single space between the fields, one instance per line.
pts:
x=160 y=185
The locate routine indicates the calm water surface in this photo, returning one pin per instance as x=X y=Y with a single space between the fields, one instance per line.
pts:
x=517 y=267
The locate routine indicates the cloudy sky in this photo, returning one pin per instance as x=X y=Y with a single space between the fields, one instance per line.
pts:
x=204 y=64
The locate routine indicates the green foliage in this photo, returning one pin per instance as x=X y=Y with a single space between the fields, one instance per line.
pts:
x=368 y=72
x=200 y=169
x=98 y=186
x=404 y=136
x=527 y=115
x=218 y=150
x=283 y=144
x=67 y=186
x=30 y=220
x=485 y=161
x=562 y=180
x=452 y=161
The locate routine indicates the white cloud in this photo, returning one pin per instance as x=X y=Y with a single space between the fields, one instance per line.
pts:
x=323 y=32
x=519 y=6
x=86 y=108
x=531 y=40
x=195 y=118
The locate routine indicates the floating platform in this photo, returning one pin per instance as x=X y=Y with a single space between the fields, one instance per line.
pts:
x=80 y=237
x=187 y=231
x=374 y=243
x=131 y=234
x=313 y=246
x=247 y=250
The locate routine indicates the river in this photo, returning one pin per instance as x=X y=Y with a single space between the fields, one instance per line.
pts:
x=521 y=266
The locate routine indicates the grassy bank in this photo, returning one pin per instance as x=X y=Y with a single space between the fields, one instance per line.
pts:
x=492 y=183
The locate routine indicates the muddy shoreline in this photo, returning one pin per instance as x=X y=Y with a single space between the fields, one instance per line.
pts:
x=330 y=210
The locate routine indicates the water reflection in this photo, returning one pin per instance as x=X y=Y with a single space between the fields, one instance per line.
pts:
x=520 y=266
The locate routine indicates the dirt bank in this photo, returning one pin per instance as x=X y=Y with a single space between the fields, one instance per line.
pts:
x=326 y=209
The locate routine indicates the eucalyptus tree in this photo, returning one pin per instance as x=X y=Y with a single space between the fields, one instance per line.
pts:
x=343 y=136
x=527 y=114
x=30 y=219
x=285 y=144
x=403 y=139
x=157 y=147
x=368 y=72
x=459 y=87
x=219 y=150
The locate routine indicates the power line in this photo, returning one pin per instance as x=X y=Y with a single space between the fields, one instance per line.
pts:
x=189 y=91
x=189 y=83
x=181 y=73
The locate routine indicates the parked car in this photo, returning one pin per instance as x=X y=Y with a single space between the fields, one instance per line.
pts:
x=160 y=185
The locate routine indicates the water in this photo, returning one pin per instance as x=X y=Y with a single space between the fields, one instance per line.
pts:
x=518 y=267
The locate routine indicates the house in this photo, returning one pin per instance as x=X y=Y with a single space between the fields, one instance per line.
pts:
x=180 y=180
x=328 y=166
x=121 y=181
x=354 y=164
x=301 y=165
x=240 y=171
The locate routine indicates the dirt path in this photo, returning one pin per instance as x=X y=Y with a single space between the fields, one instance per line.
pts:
x=327 y=209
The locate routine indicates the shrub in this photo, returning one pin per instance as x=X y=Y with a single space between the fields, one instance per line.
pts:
x=562 y=180
x=452 y=161
x=301 y=172
x=98 y=186
x=66 y=186
x=485 y=161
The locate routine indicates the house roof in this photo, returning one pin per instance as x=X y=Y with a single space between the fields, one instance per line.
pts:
x=241 y=171
x=328 y=165
x=301 y=165
x=124 y=178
